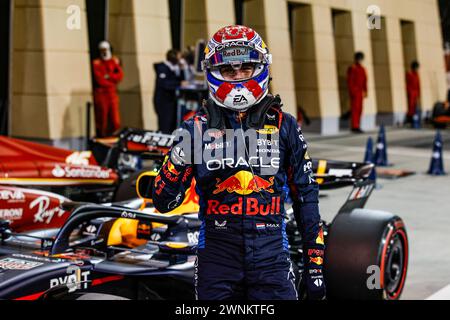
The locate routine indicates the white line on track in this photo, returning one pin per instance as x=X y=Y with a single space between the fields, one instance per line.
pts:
x=443 y=294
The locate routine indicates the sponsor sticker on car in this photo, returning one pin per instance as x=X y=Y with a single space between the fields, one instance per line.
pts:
x=18 y=264
x=11 y=214
x=88 y=172
x=12 y=195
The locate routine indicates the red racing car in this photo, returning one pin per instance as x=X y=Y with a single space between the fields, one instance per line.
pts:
x=35 y=179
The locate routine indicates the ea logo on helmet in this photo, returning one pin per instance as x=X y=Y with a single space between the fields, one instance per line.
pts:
x=239 y=100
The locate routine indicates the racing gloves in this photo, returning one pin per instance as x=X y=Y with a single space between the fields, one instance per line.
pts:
x=313 y=274
x=304 y=191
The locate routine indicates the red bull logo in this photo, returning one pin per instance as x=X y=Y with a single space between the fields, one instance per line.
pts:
x=172 y=169
x=244 y=183
x=170 y=172
x=253 y=207
x=318 y=261
x=144 y=230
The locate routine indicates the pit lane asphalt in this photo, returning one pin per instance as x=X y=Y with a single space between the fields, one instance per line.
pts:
x=422 y=201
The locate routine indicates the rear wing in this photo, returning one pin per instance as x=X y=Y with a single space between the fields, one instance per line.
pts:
x=339 y=174
x=358 y=197
x=146 y=144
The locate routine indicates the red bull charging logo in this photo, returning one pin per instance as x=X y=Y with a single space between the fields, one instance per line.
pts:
x=172 y=169
x=244 y=183
x=318 y=260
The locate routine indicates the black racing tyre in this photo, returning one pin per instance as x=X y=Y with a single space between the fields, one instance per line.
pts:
x=366 y=256
x=439 y=110
x=440 y=126
x=127 y=188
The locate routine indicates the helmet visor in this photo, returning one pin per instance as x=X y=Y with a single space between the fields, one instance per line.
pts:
x=237 y=72
x=235 y=55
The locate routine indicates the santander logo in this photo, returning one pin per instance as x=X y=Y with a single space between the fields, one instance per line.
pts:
x=91 y=172
x=58 y=172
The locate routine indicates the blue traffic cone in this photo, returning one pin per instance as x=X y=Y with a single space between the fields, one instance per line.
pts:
x=381 y=159
x=417 y=119
x=368 y=158
x=437 y=161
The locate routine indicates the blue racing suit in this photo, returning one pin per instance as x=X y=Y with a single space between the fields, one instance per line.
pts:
x=243 y=246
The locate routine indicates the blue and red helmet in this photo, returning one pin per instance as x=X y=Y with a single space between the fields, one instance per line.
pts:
x=235 y=46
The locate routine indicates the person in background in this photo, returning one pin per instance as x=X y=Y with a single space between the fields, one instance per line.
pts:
x=447 y=66
x=170 y=75
x=108 y=74
x=413 y=90
x=189 y=57
x=357 y=87
x=448 y=86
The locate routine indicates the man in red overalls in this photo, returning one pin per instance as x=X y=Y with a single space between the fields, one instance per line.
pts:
x=413 y=90
x=357 y=87
x=447 y=68
x=107 y=73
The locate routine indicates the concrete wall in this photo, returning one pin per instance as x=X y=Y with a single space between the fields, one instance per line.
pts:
x=382 y=70
x=202 y=18
x=140 y=32
x=424 y=15
x=304 y=61
x=51 y=73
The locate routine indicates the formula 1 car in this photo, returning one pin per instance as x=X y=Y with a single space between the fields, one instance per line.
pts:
x=98 y=175
x=118 y=252
x=441 y=115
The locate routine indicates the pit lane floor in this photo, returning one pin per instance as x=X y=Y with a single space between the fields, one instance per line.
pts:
x=421 y=200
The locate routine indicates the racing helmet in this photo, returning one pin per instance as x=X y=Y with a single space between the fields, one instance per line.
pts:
x=237 y=46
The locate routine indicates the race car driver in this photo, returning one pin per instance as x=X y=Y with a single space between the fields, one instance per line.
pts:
x=242 y=149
